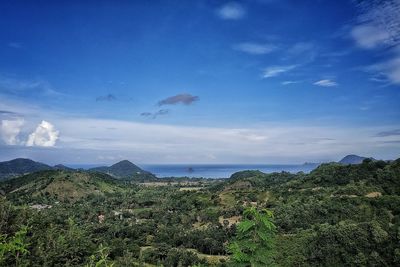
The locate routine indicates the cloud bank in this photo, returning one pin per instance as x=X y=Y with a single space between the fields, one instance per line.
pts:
x=87 y=140
x=144 y=142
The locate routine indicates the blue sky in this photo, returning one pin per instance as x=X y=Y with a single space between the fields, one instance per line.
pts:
x=258 y=81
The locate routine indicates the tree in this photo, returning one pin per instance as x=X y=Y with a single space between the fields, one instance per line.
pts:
x=14 y=246
x=254 y=241
x=100 y=259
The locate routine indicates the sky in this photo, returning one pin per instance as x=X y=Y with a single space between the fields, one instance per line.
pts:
x=256 y=81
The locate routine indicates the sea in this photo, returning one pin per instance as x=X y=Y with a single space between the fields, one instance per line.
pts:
x=213 y=170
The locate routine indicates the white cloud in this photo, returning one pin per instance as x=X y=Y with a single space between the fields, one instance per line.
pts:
x=255 y=48
x=45 y=135
x=277 y=70
x=231 y=11
x=369 y=36
x=326 y=83
x=10 y=129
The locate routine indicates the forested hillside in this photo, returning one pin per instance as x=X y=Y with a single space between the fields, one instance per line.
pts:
x=338 y=215
x=16 y=167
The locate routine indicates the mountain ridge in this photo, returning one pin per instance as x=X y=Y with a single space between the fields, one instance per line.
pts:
x=123 y=170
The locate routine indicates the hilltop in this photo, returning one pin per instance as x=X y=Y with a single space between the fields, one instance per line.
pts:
x=353 y=159
x=20 y=166
x=125 y=170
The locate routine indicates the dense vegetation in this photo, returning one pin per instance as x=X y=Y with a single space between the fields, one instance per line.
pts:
x=338 y=215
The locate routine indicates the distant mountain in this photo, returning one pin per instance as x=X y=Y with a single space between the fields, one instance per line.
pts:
x=20 y=166
x=58 y=185
x=63 y=167
x=353 y=159
x=125 y=170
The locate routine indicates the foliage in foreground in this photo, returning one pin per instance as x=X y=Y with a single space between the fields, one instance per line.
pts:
x=254 y=242
x=12 y=248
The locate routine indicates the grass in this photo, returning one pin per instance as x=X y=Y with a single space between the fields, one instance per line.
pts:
x=190 y=188
x=227 y=198
x=211 y=259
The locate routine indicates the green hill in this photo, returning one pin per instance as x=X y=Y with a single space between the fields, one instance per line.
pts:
x=125 y=170
x=58 y=185
x=20 y=166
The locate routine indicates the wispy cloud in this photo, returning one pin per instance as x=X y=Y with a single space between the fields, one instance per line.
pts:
x=255 y=48
x=391 y=142
x=15 y=86
x=290 y=82
x=378 y=23
x=326 y=83
x=304 y=52
x=108 y=98
x=394 y=132
x=146 y=114
x=378 y=27
x=155 y=114
x=274 y=71
x=8 y=113
x=185 y=99
x=231 y=11
x=390 y=68
x=339 y=53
